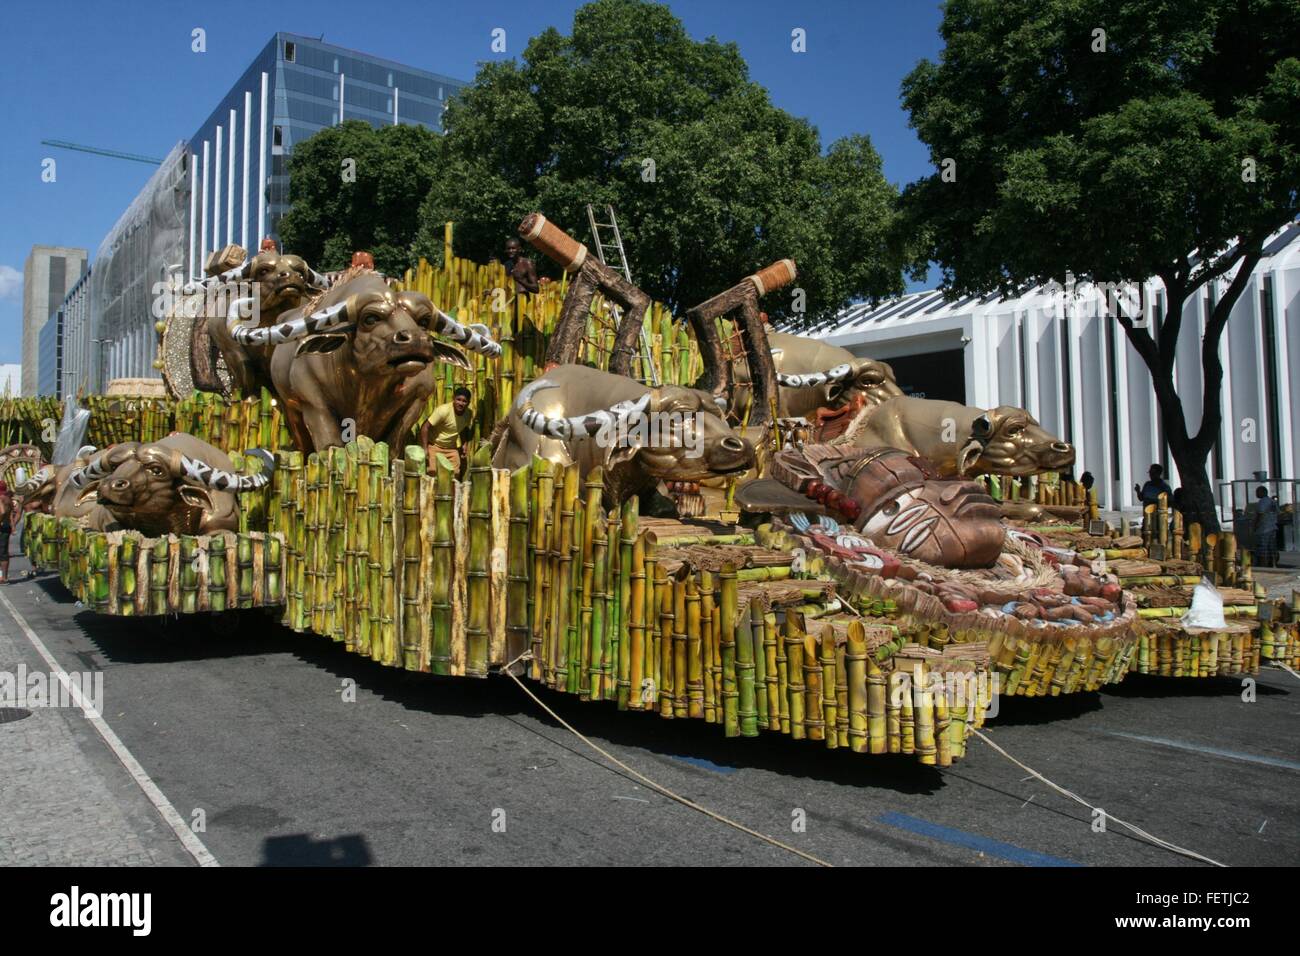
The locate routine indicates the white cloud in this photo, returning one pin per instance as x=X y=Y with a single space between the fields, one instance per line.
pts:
x=11 y=283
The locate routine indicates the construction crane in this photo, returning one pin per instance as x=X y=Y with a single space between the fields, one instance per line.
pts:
x=112 y=153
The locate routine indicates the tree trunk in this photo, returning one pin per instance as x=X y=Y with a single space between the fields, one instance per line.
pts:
x=1198 y=503
x=1191 y=451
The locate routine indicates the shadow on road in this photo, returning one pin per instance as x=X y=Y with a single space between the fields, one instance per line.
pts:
x=301 y=849
x=1153 y=687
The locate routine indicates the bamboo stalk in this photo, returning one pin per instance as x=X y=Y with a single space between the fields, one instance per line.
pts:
x=772 y=655
x=274 y=565
x=758 y=621
x=574 y=674
x=158 y=577
x=374 y=553
x=440 y=580
x=856 y=663
x=478 y=567
x=244 y=562
x=542 y=529
x=390 y=477
x=727 y=612
x=597 y=664
x=830 y=688
x=678 y=651
x=587 y=650
x=190 y=574
x=568 y=495
x=628 y=599
x=794 y=649
x=814 y=714
x=498 y=557
x=518 y=592
x=710 y=652
x=747 y=709
x=636 y=626
x=126 y=575
x=413 y=468
x=664 y=644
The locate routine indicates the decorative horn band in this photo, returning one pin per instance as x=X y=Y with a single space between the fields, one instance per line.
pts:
x=202 y=473
x=233 y=316
x=566 y=428
x=811 y=379
x=198 y=285
x=475 y=338
x=323 y=321
x=38 y=478
x=94 y=470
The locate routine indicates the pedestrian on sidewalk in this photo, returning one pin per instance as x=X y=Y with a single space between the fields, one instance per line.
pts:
x=1265 y=529
x=6 y=529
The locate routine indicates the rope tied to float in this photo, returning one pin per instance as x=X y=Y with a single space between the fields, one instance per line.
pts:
x=1135 y=830
x=658 y=788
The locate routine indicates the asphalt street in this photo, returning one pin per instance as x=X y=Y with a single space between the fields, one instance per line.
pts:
x=249 y=723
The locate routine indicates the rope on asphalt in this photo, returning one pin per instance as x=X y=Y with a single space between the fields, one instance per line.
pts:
x=1288 y=669
x=650 y=783
x=1138 y=831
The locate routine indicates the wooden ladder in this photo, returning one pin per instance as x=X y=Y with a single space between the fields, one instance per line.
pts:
x=606 y=252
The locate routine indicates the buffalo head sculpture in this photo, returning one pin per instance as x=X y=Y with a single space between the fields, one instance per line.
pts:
x=961 y=439
x=178 y=485
x=366 y=353
x=279 y=282
x=637 y=434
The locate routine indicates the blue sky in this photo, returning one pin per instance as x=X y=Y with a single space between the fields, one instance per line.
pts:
x=121 y=75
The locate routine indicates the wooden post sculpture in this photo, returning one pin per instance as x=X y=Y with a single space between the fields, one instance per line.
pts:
x=589 y=276
x=742 y=298
x=203 y=351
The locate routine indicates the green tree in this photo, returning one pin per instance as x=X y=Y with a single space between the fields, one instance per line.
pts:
x=708 y=178
x=1114 y=139
x=353 y=187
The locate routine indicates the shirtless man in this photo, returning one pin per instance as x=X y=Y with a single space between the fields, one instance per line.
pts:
x=519 y=267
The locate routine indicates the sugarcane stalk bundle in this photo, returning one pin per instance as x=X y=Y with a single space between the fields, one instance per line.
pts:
x=425 y=572
x=390 y=521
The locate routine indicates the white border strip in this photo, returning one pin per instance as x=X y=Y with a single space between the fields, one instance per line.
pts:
x=192 y=843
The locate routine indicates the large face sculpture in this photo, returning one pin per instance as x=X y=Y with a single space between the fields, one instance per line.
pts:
x=899 y=502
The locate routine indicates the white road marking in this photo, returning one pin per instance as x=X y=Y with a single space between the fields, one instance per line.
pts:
x=192 y=843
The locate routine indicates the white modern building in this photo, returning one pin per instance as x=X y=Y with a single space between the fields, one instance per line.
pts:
x=1068 y=361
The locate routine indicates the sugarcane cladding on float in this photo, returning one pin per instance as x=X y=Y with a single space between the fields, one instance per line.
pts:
x=703 y=519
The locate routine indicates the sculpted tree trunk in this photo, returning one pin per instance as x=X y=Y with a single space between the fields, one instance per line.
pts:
x=1190 y=452
x=589 y=276
x=742 y=299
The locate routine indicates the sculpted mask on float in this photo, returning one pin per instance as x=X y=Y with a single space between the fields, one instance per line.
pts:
x=898 y=502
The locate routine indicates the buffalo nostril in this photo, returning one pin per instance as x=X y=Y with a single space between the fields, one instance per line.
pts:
x=733 y=444
x=402 y=338
x=1060 y=446
x=121 y=484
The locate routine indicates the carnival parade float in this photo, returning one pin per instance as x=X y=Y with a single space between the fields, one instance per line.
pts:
x=795 y=547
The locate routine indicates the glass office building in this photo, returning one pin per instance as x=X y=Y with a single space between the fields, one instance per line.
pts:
x=295 y=87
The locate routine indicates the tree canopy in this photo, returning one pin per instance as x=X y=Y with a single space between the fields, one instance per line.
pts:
x=355 y=187
x=1105 y=137
x=708 y=179
x=1114 y=139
